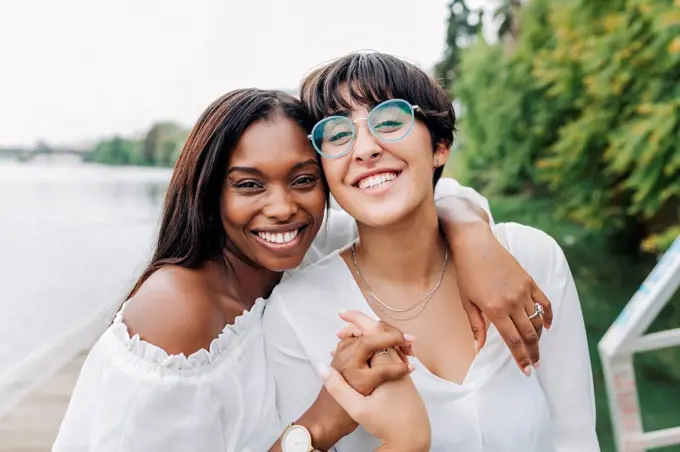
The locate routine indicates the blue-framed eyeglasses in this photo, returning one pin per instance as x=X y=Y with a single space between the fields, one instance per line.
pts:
x=391 y=120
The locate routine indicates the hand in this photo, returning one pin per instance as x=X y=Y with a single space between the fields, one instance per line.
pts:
x=494 y=284
x=358 y=326
x=326 y=420
x=393 y=411
x=353 y=357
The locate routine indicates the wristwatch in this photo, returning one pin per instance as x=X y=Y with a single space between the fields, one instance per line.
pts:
x=296 y=438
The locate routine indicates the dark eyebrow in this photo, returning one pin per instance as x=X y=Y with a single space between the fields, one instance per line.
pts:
x=245 y=169
x=310 y=162
x=257 y=172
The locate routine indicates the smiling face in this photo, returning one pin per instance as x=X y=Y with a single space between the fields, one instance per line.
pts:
x=273 y=199
x=379 y=182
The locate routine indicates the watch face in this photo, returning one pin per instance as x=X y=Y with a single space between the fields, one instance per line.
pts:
x=296 y=440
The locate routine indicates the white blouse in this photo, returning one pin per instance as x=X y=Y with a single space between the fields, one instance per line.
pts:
x=132 y=396
x=496 y=408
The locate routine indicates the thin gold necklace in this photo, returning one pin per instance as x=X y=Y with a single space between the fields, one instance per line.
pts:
x=422 y=303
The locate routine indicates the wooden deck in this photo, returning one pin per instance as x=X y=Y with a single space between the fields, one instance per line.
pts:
x=32 y=425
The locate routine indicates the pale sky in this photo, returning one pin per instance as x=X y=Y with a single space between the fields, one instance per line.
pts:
x=74 y=70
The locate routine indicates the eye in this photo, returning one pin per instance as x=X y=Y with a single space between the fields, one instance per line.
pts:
x=248 y=185
x=389 y=125
x=340 y=137
x=305 y=181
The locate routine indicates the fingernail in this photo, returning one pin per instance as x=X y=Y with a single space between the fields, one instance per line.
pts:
x=342 y=311
x=536 y=364
x=409 y=337
x=323 y=370
x=527 y=371
x=332 y=352
x=411 y=368
x=476 y=346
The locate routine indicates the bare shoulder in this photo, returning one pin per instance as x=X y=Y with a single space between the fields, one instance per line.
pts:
x=175 y=310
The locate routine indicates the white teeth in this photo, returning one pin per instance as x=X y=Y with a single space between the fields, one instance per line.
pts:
x=377 y=179
x=279 y=237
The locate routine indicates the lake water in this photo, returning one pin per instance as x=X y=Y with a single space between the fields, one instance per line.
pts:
x=72 y=239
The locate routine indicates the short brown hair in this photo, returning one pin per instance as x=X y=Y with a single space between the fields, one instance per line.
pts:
x=375 y=77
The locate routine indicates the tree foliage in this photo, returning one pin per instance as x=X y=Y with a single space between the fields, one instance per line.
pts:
x=586 y=105
x=160 y=147
x=464 y=26
x=459 y=32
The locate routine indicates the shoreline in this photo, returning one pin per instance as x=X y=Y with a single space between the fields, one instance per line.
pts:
x=32 y=424
x=40 y=366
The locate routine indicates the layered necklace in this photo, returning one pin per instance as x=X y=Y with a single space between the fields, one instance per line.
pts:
x=394 y=313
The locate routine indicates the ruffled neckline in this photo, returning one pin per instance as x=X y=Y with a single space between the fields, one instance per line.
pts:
x=219 y=346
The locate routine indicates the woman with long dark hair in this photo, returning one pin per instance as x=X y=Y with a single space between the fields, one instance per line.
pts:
x=183 y=365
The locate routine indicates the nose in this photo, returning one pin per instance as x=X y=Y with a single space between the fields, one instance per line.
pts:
x=280 y=205
x=366 y=146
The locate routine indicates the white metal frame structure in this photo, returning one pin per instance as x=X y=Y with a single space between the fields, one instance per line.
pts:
x=627 y=336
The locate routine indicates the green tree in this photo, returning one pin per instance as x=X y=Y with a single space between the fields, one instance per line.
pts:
x=160 y=147
x=163 y=143
x=460 y=32
x=586 y=106
x=464 y=27
x=117 y=151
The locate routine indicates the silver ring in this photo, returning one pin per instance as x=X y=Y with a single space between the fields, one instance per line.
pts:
x=538 y=311
x=381 y=352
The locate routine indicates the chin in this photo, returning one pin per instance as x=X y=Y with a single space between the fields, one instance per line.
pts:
x=282 y=264
x=383 y=217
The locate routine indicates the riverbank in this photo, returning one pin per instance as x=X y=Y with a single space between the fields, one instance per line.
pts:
x=73 y=239
x=32 y=425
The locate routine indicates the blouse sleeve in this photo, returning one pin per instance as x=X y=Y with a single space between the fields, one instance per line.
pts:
x=132 y=396
x=565 y=372
x=339 y=228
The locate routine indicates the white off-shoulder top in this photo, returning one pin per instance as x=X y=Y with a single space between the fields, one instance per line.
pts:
x=132 y=396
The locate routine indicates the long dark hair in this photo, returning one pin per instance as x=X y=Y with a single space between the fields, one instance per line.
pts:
x=191 y=230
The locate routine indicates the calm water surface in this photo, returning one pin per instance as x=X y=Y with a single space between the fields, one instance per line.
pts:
x=72 y=239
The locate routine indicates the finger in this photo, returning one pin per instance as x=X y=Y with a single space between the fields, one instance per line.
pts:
x=527 y=332
x=477 y=324
x=349 y=331
x=540 y=298
x=348 y=398
x=344 y=343
x=407 y=348
x=402 y=356
x=508 y=331
x=374 y=343
x=366 y=324
x=536 y=321
x=385 y=356
x=377 y=375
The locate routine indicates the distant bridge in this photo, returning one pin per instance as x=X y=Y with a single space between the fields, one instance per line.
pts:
x=25 y=154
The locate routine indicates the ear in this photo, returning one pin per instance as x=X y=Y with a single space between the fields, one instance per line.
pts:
x=441 y=155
